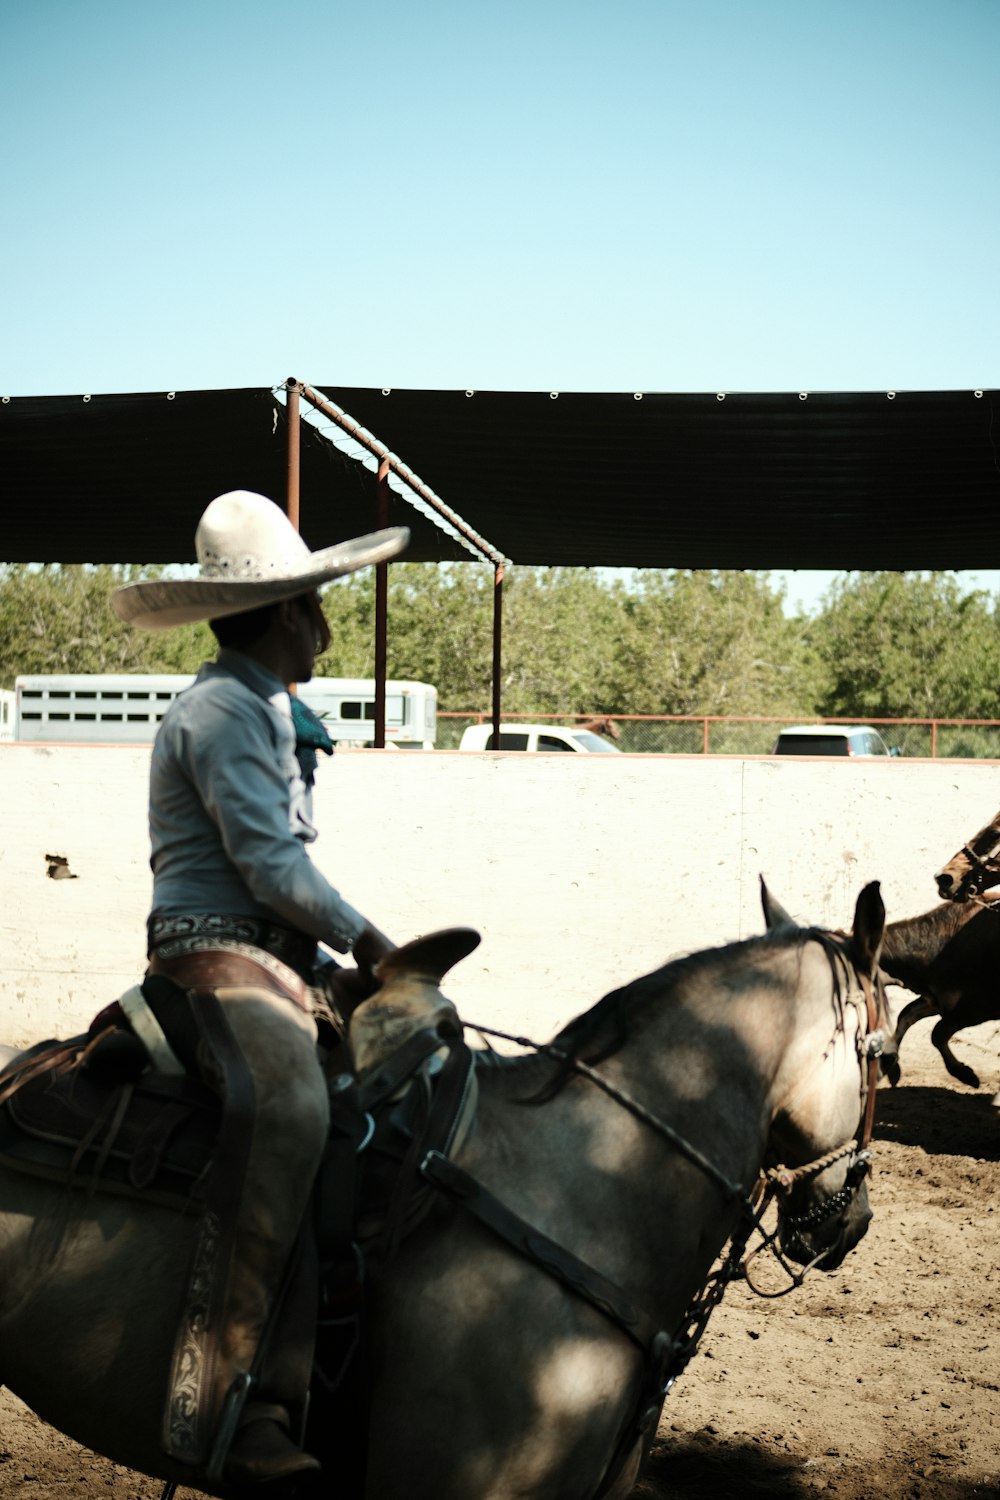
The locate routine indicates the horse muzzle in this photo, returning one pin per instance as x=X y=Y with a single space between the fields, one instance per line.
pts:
x=947 y=888
x=976 y=878
x=823 y=1235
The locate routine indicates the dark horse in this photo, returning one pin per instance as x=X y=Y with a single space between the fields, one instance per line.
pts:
x=501 y=1366
x=950 y=958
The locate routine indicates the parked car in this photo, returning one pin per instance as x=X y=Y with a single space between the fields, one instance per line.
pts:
x=831 y=739
x=538 y=737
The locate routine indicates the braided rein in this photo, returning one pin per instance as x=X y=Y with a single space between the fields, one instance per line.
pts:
x=752 y=1204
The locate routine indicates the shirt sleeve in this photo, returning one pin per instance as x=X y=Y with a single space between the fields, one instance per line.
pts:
x=233 y=762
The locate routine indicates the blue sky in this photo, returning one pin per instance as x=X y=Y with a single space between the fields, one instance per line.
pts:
x=672 y=195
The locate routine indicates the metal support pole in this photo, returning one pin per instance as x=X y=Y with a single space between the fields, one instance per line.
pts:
x=381 y=604
x=497 y=643
x=292 y=471
x=293 y=388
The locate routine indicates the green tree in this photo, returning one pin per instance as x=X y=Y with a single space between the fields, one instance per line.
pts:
x=885 y=645
x=907 y=645
x=714 y=642
x=560 y=628
x=439 y=628
x=58 y=618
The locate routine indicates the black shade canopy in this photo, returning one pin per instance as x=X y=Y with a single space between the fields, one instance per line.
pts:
x=832 y=481
x=908 y=481
x=125 y=478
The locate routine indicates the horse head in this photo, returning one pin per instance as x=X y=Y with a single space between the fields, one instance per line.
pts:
x=822 y=1123
x=975 y=868
x=603 y=724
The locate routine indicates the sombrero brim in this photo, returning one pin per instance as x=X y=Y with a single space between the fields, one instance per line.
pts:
x=159 y=603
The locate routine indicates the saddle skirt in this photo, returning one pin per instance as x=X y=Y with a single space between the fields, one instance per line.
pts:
x=149 y=1136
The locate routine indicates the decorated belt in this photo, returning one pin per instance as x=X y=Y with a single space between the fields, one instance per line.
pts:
x=172 y=936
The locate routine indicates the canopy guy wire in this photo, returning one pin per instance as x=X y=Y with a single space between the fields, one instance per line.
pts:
x=351 y=449
x=364 y=447
x=368 y=441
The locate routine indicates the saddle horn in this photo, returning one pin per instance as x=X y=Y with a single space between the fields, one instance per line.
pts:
x=429 y=957
x=410 y=998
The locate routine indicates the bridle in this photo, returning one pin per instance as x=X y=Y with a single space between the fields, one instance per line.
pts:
x=778 y=1182
x=972 y=884
x=971 y=887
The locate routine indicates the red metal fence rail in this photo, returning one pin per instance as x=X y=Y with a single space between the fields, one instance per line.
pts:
x=722 y=734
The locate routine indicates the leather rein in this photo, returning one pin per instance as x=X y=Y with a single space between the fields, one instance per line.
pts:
x=778 y=1181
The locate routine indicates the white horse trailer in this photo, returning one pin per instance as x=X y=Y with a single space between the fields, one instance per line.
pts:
x=346 y=706
x=96 y=708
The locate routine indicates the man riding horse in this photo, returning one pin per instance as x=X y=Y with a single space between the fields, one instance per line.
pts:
x=238 y=911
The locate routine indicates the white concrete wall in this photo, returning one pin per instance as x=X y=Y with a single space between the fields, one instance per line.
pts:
x=581 y=872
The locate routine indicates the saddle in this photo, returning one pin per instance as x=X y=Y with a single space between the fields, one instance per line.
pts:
x=94 y=1112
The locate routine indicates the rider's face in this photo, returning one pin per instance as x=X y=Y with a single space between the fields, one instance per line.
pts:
x=311 y=634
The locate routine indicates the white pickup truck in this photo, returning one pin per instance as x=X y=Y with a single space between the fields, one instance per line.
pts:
x=540 y=737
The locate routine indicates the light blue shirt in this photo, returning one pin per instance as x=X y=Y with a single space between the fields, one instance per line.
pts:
x=229 y=813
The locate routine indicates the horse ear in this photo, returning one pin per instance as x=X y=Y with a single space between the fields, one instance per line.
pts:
x=775 y=914
x=869 y=926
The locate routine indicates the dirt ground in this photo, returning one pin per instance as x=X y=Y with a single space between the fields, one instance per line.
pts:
x=879 y=1380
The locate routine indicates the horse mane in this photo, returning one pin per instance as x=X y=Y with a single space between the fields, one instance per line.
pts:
x=927 y=931
x=601 y=1031
x=991 y=832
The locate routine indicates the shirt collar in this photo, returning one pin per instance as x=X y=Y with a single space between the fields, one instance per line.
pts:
x=251 y=673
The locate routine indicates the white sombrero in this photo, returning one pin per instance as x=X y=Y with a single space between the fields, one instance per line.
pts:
x=249 y=555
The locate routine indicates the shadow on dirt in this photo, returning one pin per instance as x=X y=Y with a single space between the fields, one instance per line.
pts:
x=696 y=1468
x=940 y=1120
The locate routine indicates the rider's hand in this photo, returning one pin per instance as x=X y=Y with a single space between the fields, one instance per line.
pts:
x=370 y=948
x=348 y=987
